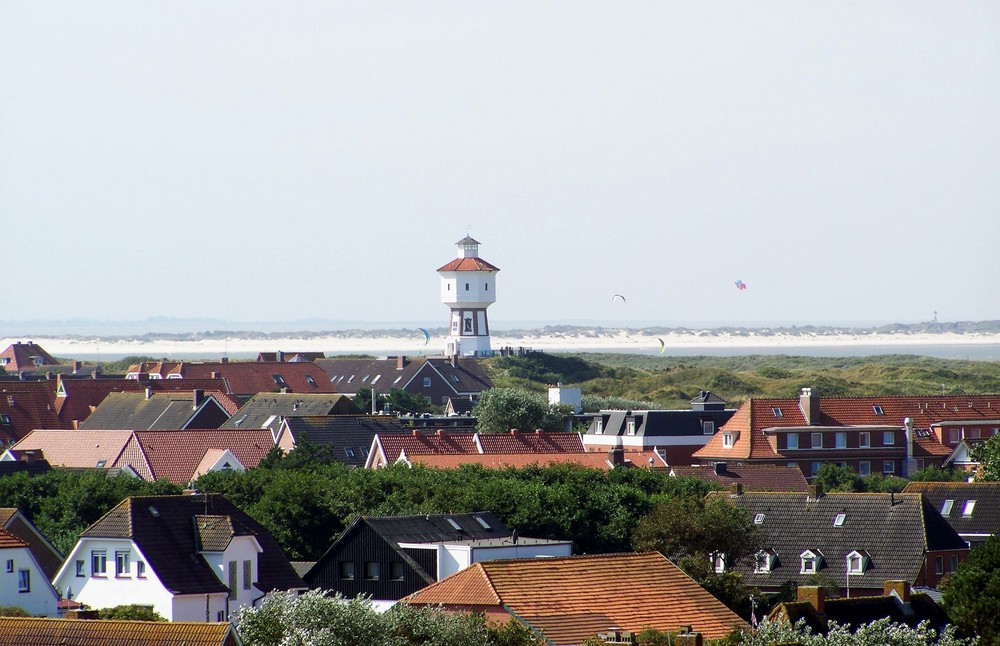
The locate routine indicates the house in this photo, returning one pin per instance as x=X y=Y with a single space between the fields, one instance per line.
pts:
x=433 y=378
x=267 y=410
x=387 y=558
x=114 y=632
x=898 y=603
x=348 y=438
x=573 y=599
x=459 y=406
x=387 y=448
x=675 y=434
x=152 y=410
x=243 y=378
x=75 y=399
x=179 y=456
x=25 y=356
x=193 y=557
x=893 y=435
x=971 y=508
x=25 y=406
x=49 y=559
x=23 y=582
x=857 y=541
x=592 y=460
x=751 y=477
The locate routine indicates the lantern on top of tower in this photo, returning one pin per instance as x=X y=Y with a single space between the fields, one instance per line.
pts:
x=468 y=287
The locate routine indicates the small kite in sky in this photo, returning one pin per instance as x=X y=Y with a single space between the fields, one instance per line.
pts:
x=663 y=346
x=740 y=285
x=618 y=296
x=427 y=335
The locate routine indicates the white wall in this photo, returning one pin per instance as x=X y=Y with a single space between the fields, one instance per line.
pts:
x=193 y=607
x=453 y=557
x=40 y=600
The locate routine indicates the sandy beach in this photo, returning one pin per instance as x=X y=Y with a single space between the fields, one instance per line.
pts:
x=585 y=340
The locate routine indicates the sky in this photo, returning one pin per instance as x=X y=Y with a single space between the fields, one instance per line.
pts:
x=262 y=161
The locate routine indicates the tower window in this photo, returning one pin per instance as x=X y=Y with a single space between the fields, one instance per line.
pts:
x=486 y=287
x=466 y=286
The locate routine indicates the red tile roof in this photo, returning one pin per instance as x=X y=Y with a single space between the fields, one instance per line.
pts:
x=62 y=448
x=26 y=356
x=758 y=414
x=468 y=264
x=8 y=540
x=176 y=455
x=536 y=442
x=574 y=598
x=22 y=631
x=752 y=477
x=25 y=407
x=593 y=460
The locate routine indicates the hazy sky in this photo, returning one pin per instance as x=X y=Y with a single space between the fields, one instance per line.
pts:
x=275 y=161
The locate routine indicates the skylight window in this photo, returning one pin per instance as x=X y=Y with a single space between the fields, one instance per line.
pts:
x=278 y=379
x=878 y=410
x=454 y=525
x=377 y=377
x=758 y=519
x=482 y=522
x=947 y=507
x=312 y=382
x=777 y=412
x=364 y=379
x=839 y=520
x=970 y=506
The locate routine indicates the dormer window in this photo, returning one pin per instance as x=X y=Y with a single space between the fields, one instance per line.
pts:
x=970 y=506
x=729 y=439
x=719 y=563
x=764 y=561
x=856 y=563
x=599 y=427
x=630 y=427
x=811 y=561
x=708 y=428
x=777 y=412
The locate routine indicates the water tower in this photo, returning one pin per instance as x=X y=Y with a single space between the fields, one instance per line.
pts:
x=468 y=287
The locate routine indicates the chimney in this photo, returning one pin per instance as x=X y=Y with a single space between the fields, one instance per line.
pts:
x=815 y=492
x=453 y=359
x=224 y=360
x=96 y=374
x=900 y=589
x=617 y=456
x=76 y=367
x=720 y=468
x=736 y=489
x=214 y=375
x=815 y=596
x=80 y=613
x=149 y=392
x=809 y=404
x=198 y=398
x=279 y=356
x=401 y=362
x=687 y=637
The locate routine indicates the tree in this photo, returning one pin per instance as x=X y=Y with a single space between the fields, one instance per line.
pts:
x=131 y=612
x=881 y=632
x=837 y=478
x=934 y=473
x=317 y=618
x=987 y=454
x=693 y=534
x=499 y=410
x=972 y=595
x=396 y=400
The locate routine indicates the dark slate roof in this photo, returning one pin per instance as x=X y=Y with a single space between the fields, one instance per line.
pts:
x=894 y=530
x=857 y=611
x=433 y=528
x=350 y=375
x=34 y=468
x=265 y=410
x=349 y=436
x=706 y=400
x=660 y=423
x=152 y=411
x=165 y=529
x=984 y=521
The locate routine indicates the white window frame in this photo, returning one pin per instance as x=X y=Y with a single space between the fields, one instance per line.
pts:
x=762 y=562
x=599 y=427
x=888 y=438
x=968 y=508
x=99 y=563
x=728 y=439
x=840 y=440
x=809 y=562
x=719 y=563
x=838 y=520
x=864 y=440
x=947 y=506
x=122 y=563
x=856 y=563
x=889 y=466
x=630 y=427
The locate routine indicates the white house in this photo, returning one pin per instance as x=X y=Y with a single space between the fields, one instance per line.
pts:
x=23 y=583
x=190 y=557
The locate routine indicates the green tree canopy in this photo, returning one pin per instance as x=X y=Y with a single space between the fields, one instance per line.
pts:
x=499 y=410
x=972 y=595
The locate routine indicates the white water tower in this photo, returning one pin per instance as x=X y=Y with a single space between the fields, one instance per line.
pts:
x=468 y=287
